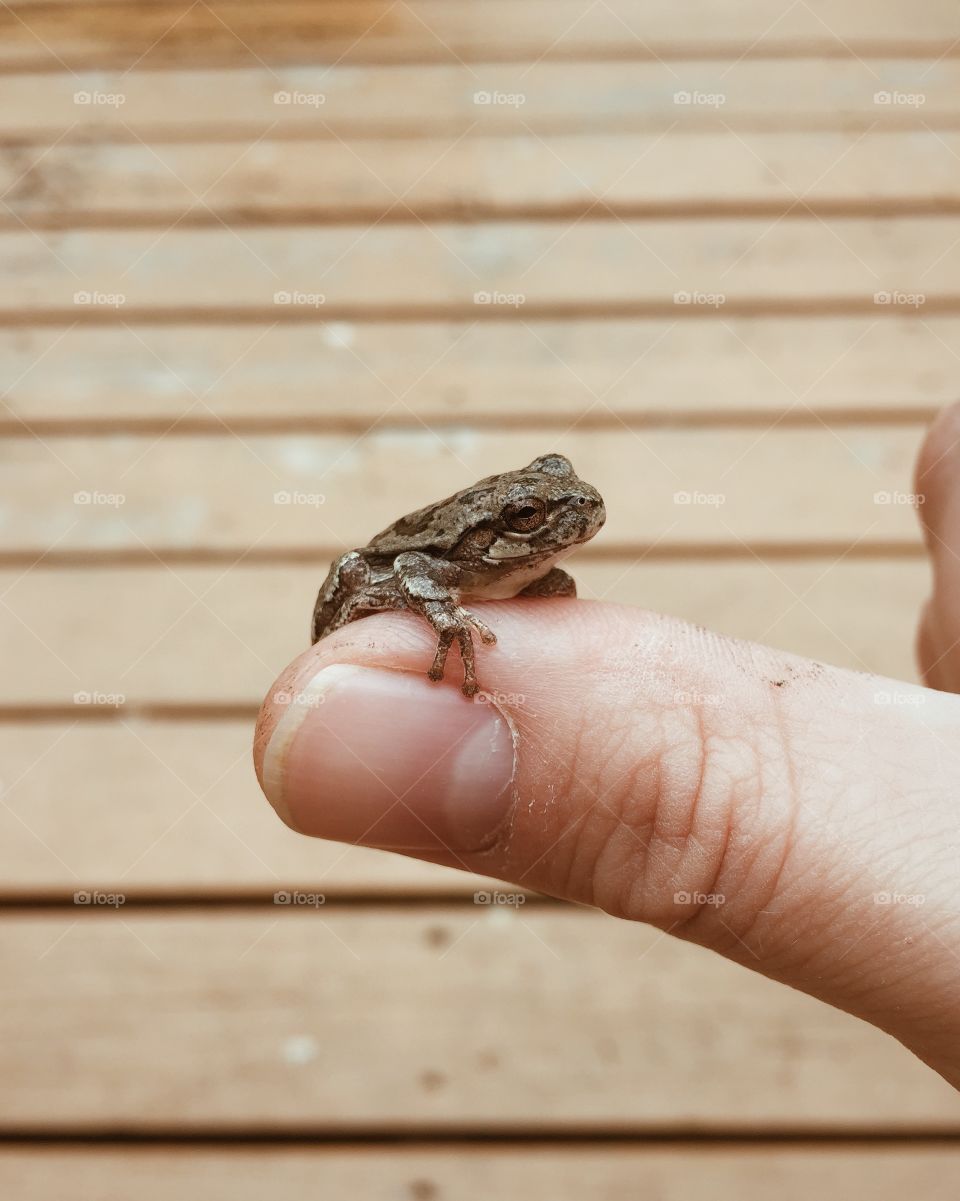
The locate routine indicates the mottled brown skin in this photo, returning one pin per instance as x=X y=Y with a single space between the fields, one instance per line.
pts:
x=500 y=538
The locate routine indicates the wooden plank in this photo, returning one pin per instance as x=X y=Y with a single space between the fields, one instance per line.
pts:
x=487 y=176
x=504 y=271
x=475 y=1174
x=543 y=373
x=216 y=637
x=275 y=1020
x=342 y=100
x=316 y=494
x=169 y=808
x=222 y=32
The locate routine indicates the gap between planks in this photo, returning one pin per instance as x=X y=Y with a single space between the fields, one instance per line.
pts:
x=399 y=213
x=813 y=306
x=811 y=416
x=471 y=1139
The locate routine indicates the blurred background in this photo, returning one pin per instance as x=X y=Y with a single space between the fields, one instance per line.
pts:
x=276 y=274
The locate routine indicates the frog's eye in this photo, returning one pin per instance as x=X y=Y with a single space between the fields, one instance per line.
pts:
x=524 y=516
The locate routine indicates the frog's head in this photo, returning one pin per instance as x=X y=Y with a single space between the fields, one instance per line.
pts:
x=543 y=509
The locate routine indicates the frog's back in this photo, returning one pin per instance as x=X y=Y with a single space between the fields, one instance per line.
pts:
x=437 y=527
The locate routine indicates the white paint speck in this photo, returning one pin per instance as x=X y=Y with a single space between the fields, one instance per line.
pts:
x=339 y=334
x=299 y=1049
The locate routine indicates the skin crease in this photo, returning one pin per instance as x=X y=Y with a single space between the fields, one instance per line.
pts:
x=655 y=761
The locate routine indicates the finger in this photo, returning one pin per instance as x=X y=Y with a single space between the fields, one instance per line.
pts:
x=779 y=811
x=938 y=495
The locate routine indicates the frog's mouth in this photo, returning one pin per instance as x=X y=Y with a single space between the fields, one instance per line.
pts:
x=525 y=551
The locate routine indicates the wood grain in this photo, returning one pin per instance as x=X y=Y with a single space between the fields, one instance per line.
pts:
x=557 y=1173
x=545 y=374
x=306 y=273
x=482 y=176
x=174 y=34
x=494 y=1019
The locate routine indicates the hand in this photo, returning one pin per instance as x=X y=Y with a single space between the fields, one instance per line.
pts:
x=784 y=813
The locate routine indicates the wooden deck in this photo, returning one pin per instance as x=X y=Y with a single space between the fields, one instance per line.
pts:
x=244 y=251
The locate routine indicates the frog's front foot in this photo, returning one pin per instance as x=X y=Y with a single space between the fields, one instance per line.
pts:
x=430 y=587
x=450 y=622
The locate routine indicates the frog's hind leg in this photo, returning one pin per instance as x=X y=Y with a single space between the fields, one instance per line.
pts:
x=554 y=583
x=347 y=577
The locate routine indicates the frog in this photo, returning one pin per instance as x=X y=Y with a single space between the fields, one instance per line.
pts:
x=500 y=538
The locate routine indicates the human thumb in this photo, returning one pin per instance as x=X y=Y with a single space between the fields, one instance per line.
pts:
x=758 y=803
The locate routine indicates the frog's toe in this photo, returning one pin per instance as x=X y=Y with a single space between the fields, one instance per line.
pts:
x=486 y=634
